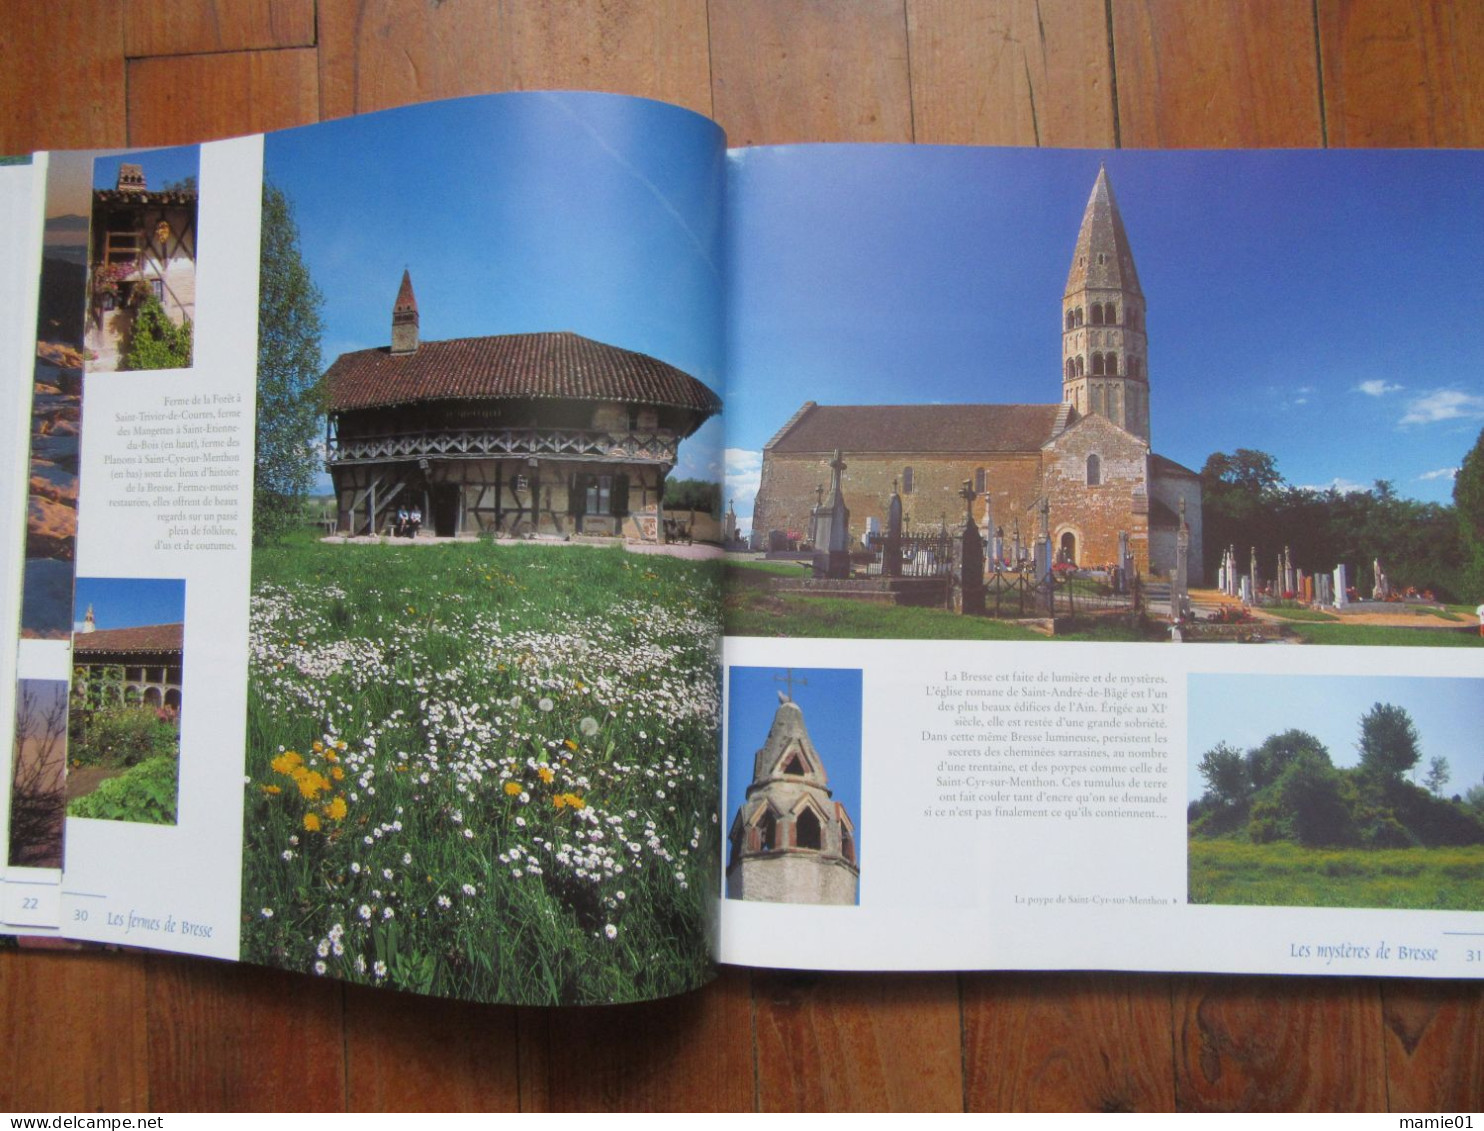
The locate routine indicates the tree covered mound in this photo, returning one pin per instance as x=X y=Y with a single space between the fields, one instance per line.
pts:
x=1288 y=789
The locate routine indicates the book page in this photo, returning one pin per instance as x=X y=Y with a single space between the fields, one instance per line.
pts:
x=1099 y=598
x=385 y=649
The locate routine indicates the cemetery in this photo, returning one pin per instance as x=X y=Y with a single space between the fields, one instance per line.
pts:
x=963 y=569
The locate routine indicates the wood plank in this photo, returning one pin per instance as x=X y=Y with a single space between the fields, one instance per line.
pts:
x=1216 y=73
x=1068 y=1042
x=191 y=98
x=810 y=70
x=1402 y=73
x=689 y=1053
x=225 y=1036
x=1434 y=1040
x=188 y=27
x=61 y=75
x=1278 y=1044
x=858 y=1042
x=410 y=1053
x=75 y=1025
x=390 y=52
x=1011 y=72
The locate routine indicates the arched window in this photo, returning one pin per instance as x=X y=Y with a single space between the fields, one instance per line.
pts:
x=1079 y=316
x=807 y=833
x=767 y=833
x=1071 y=368
x=1097 y=365
x=1112 y=365
x=1094 y=471
x=1071 y=320
x=906 y=481
x=1135 y=367
x=1111 y=313
x=1067 y=552
x=1097 y=314
x=979 y=480
x=1080 y=368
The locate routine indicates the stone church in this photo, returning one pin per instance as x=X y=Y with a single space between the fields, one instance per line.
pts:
x=1089 y=457
x=791 y=842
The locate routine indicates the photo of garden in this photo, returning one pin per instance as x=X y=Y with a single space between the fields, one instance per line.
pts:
x=1336 y=791
x=488 y=772
x=123 y=718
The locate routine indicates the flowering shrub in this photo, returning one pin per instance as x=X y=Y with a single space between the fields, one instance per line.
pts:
x=483 y=771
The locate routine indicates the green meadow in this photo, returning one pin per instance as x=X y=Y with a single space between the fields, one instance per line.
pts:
x=485 y=771
x=1283 y=874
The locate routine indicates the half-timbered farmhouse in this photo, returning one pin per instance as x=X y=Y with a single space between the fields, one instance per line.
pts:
x=513 y=434
x=143 y=243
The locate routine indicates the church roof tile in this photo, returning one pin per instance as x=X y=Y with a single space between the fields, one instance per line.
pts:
x=920 y=428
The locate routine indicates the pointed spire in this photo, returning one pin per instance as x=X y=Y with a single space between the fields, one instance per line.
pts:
x=405 y=317
x=1102 y=257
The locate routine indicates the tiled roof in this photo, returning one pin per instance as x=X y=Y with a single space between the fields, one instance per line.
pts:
x=143 y=638
x=558 y=365
x=920 y=428
x=1165 y=467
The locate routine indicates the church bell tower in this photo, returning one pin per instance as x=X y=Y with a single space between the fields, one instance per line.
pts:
x=1104 y=345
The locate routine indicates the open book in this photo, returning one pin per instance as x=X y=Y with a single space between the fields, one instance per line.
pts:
x=518 y=549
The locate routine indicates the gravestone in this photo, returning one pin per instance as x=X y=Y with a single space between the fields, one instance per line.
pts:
x=832 y=549
x=968 y=561
x=1342 y=586
x=891 y=551
x=1245 y=589
x=1180 y=591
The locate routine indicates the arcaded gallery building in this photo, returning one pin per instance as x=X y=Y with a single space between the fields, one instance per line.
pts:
x=513 y=434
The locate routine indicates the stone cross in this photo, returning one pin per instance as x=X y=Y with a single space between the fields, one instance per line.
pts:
x=790 y=679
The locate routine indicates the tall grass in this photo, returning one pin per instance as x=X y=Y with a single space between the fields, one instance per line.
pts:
x=481 y=771
x=1288 y=875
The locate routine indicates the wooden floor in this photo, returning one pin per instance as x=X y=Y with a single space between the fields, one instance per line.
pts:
x=132 y=1033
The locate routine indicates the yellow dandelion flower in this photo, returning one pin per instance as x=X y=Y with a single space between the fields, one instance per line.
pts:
x=571 y=745
x=331 y=756
x=560 y=801
x=512 y=788
x=336 y=809
x=311 y=784
x=311 y=822
x=575 y=801
x=318 y=747
x=286 y=762
x=337 y=773
x=545 y=775
x=271 y=789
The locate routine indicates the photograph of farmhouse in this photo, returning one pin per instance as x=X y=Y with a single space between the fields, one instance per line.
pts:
x=1116 y=396
x=482 y=745
x=123 y=720
x=142 y=261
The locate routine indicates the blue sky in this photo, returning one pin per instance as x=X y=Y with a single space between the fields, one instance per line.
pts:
x=519 y=213
x=831 y=702
x=1243 y=710
x=161 y=166
x=127 y=602
x=1316 y=306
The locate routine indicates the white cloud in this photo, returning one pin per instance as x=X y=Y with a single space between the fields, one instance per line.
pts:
x=1338 y=483
x=1444 y=404
x=1377 y=388
x=1440 y=473
x=744 y=475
